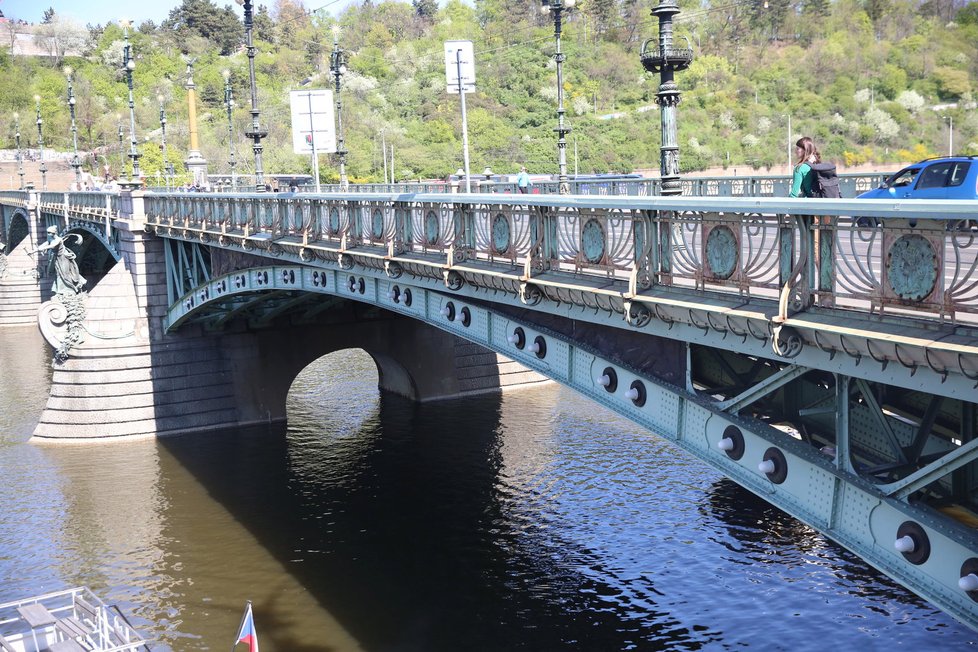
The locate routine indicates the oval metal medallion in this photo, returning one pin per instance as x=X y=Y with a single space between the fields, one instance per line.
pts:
x=721 y=252
x=431 y=228
x=592 y=241
x=911 y=267
x=500 y=234
x=377 y=224
x=334 y=220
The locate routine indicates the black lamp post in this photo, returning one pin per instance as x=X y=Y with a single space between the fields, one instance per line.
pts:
x=666 y=60
x=40 y=143
x=122 y=157
x=556 y=9
x=75 y=161
x=256 y=133
x=129 y=65
x=229 y=106
x=20 y=154
x=167 y=166
x=337 y=65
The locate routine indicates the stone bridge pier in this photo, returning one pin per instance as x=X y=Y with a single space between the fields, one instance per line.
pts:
x=117 y=374
x=22 y=287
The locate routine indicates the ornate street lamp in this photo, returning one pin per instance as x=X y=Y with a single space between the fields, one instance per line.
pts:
x=40 y=143
x=337 y=65
x=229 y=106
x=666 y=60
x=167 y=166
x=122 y=158
x=20 y=154
x=129 y=64
x=256 y=133
x=556 y=8
x=75 y=161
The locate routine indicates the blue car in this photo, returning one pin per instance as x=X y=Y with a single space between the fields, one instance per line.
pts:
x=947 y=177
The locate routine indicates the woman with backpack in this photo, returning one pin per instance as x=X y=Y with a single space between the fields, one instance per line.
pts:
x=804 y=176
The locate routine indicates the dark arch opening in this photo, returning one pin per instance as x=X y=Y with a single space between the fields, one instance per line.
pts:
x=19 y=229
x=95 y=260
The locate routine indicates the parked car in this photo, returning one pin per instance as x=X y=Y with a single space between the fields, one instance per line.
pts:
x=944 y=177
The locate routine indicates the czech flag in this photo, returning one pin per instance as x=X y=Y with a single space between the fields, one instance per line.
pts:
x=247 y=633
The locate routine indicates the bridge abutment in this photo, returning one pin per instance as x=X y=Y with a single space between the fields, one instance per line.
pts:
x=22 y=289
x=121 y=375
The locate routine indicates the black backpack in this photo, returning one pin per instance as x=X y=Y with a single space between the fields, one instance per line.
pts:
x=825 y=183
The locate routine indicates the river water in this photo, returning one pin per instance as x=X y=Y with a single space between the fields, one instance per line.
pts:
x=531 y=521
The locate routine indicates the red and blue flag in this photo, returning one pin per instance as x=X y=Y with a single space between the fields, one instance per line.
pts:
x=247 y=633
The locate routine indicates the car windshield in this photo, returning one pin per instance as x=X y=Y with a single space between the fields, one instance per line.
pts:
x=902 y=178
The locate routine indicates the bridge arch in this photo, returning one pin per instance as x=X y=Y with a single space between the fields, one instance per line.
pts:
x=786 y=470
x=17 y=229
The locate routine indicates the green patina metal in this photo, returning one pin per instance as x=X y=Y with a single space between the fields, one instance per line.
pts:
x=500 y=233
x=722 y=251
x=432 y=228
x=911 y=267
x=377 y=224
x=593 y=241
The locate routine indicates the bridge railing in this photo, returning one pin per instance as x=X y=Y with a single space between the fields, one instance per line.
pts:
x=850 y=185
x=916 y=257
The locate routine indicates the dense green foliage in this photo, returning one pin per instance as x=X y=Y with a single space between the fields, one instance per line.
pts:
x=870 y=80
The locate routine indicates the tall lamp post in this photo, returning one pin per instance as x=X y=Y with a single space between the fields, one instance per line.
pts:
x=122 y=157
x=790 y=145
x=556 y=9
x=129 y=65
x=256 y=133
x=40 y=143
x=75 y=161
x=666 y=60
x=229 y=106
x=167 y=166
x=20 y=154
x=337 y=65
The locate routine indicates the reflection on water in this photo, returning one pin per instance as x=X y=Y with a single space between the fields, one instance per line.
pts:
x=532 y=521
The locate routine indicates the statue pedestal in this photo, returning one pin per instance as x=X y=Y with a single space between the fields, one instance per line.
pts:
x=197 y=167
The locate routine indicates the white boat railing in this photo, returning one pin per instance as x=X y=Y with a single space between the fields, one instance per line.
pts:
x=66 y=621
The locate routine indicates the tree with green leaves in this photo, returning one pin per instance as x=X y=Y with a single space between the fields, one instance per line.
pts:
x=202 y=18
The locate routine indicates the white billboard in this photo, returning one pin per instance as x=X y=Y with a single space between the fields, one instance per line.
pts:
x=459 y=58
x=313 y=121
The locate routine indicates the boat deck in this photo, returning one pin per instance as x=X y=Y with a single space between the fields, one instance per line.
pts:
x=74 y=620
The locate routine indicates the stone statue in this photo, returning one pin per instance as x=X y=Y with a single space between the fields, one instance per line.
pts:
x=69 y=280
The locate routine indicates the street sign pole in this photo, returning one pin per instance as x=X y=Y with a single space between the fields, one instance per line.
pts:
x=312 y=136
x=465 y=122
x=460 y=78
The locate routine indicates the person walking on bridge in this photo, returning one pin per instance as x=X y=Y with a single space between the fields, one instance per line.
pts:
x=523 y=180
x=803 y=177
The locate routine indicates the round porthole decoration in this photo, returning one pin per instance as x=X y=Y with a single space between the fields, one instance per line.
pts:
x=912 y=542
x=774 y=465
x=407 y=297
x=466 y=316
x=732 y=443
x=517 y=338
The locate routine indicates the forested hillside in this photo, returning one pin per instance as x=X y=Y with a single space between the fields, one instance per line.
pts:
x=872 y=81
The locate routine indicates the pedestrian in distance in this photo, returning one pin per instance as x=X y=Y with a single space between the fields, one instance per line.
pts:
x=807 y=155
x=523 y=180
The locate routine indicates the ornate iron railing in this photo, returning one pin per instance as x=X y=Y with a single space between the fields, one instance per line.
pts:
x=908 y=257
